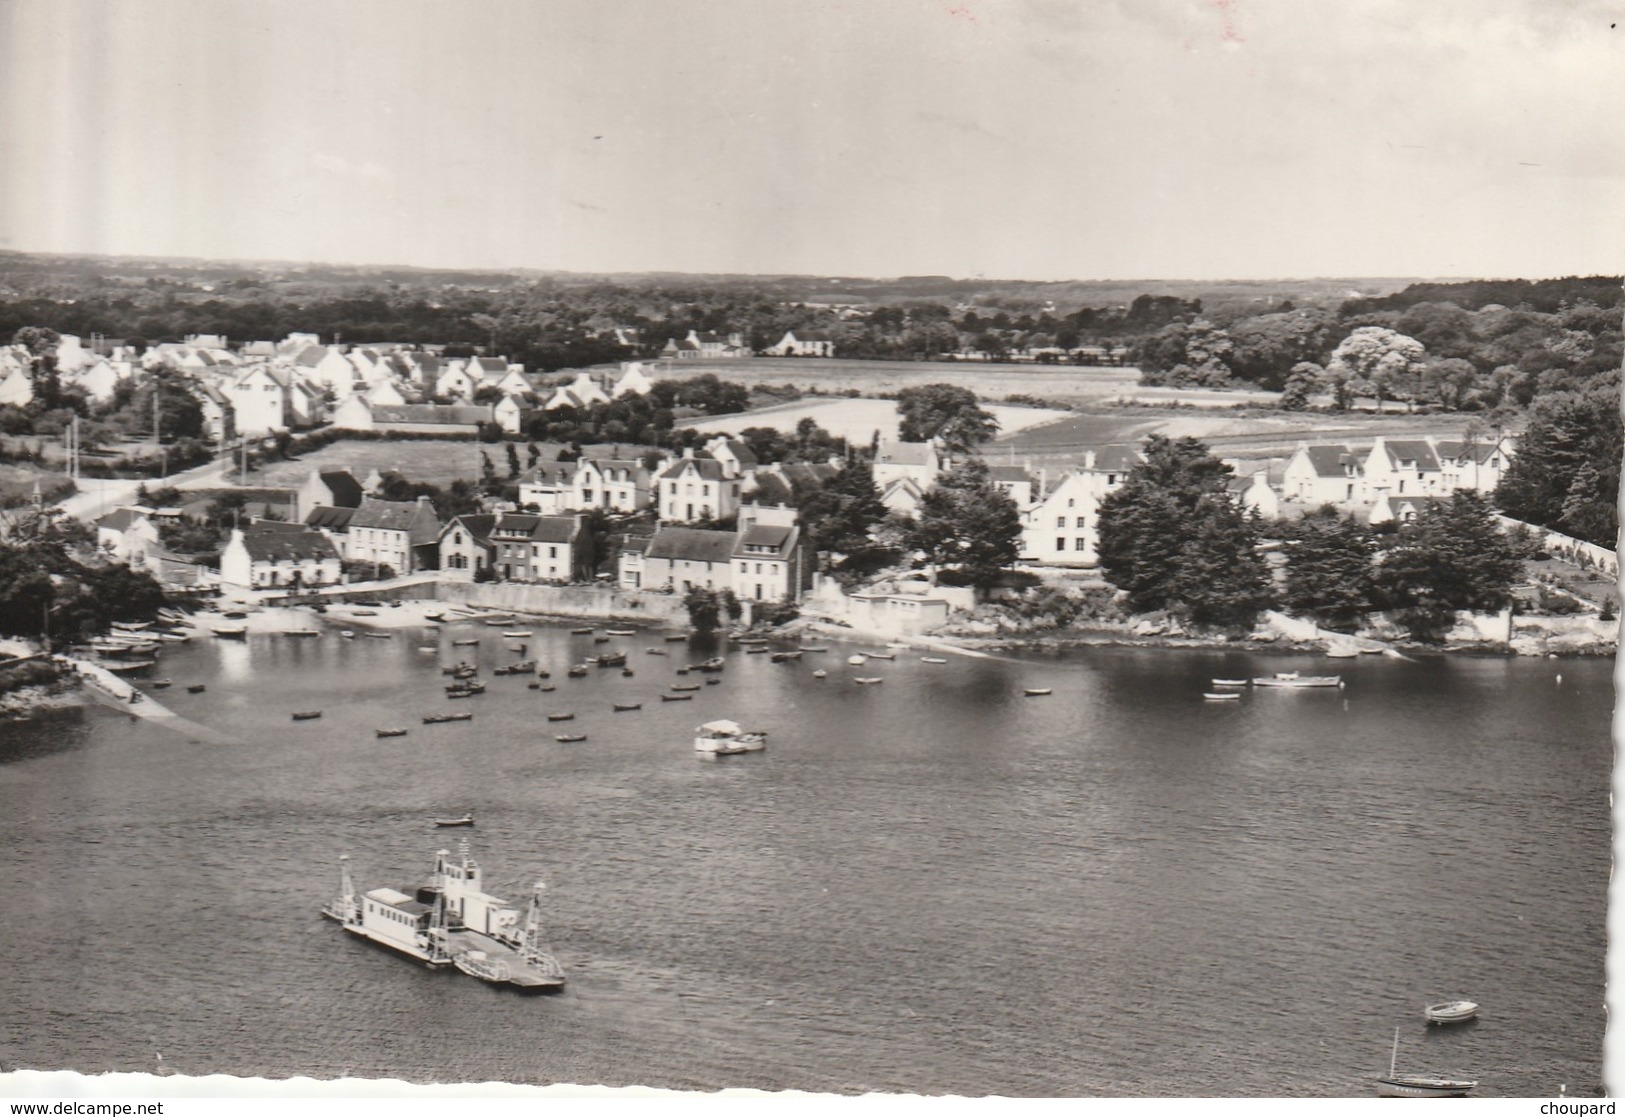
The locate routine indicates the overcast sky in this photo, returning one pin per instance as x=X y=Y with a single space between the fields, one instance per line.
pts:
x=1038 y=139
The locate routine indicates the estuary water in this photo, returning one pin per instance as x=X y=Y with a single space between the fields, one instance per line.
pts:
x=932 y=885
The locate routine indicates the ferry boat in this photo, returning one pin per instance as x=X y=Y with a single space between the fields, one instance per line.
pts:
x=452 y=921
x=725 y=738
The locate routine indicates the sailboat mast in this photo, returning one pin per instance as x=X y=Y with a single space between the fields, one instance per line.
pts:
x=1393 y=1059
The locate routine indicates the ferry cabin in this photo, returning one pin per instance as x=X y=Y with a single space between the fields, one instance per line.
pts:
x=396 y=919
x=470 y=905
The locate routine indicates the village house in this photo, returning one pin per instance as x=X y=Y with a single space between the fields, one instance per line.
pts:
x=403 y=535
x=1473 y=465
x=513 y=412
x=128 y=535
x=219 y=417
x=918 y=461
x=335 y=488
x=1317 y=475
x=1402 y=467
x=1390 y=507
x=259 y=401
x=770 y=559
x=262 y=556
x=327 y=367
x=803 y=343
x=617 y=484
x=466 y=547
x=683 y=558
x=697 y=489
x=737 y=459
x=384 y=393
x=531 y=548
x=1014 y=482
x=634 y=380
x=1253 y=493
x=334 y=523
x=1062 y=526
x=706 y=346
x=902 y=497
x=456 y=381
x=629 y=571
x=548 y=488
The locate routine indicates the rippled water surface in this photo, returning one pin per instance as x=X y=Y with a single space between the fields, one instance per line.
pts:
x=933 y=885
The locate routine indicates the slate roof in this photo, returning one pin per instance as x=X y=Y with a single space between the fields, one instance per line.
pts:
x=692 y=543
x=550 y=473
x=905 y=453
x=477 y=524
x=346 y=490
x=311 y=356
x=1463 y=451
x=1013 y=474
x=739 y=450
x=765 y=535
x=1329 y=461
x=388 y=515
x=326 y=516
x=708 y=468
x=812 y=335
x=1116 y=459
x=771 y=489
x=1412 y=450
x=120 y=519
x=276 y=546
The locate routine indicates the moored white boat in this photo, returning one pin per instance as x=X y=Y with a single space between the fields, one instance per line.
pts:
x=857 y=660
x=1293 y=679
x=1450 y=1012
x=724 y=738
x=1396 y=1085
x=1221 y=696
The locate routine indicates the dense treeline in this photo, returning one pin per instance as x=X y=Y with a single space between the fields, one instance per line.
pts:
x=51 y=574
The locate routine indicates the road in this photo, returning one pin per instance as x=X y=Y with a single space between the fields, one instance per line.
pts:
x=98 y=496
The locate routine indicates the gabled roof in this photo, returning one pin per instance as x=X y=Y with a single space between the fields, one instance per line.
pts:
x=1467 y=451
x=811 y=335
x=488 y=364
x=905 y=453
x=120 y=519
x=1412 y=450
x=331 y=518
x=311 y=356
x=807 y=473
x=550 y=473
x=346 y=490
x=692 y=543
x=739 y=450
x=708 y=468
x=1116 y=459
x=477 y=524
x=277 y=545
x=515 y=524
x=1009 y=474
x=607 y=465
x=765 y=535
x=1329 y=461
x=388 y=515
x=771 y=489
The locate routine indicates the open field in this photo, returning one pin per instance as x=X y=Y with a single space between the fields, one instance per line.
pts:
x=1062 y=384
x=856 y=420
x=434 y=462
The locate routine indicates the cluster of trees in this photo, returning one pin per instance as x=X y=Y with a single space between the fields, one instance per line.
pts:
x=1172 y=539
x=1454 y=347
x=944 y=412
x=647 y=419
x=1565 y=474
x=53 y=581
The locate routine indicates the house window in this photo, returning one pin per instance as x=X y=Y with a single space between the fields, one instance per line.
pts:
x=1070 y=502
x=552 y=552
x=1080 y=543
x=1060 y=521
x=1060 y=544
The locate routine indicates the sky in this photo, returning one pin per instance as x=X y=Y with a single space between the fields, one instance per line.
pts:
x=1014 y=139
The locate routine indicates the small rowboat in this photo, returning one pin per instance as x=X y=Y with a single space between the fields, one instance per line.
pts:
x=857 y=660
x=675 y=639
x=434 y=616
x=654 y=651
x=1292 y=679
x=390 y=732
x=757 y=649
x=523 y=634
x=676 y=697
x=685 y=686
x=1450 y=1012
x=302 y=632
x=436 y=719
x=197 y=689
x=713 y=682
x=622 y=707
x=465 y=643
x=232 y=632
x=820 y=673
x=579 y=671
x=548 y=689
x=466 y=820
x=307 y=715
x=881 y=655
x=1229 y=682
x=581 y=632
x=561 y=717
x=1212 y=696
x=160 y=684
x=621 y=631
x=1037 y=691
x=347 y=634
x=932 y=659
x=600 y=639
x=868 y=681
x=567 y=737
x=382 y=635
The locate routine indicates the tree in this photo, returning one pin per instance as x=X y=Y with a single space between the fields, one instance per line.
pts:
x=1330 y=573
x=513 y=462
x=1172 y=538
x=704 y=609
x=1565 y=474
x=1304 y=378
x=1453 y=556
x=969 y=523
x=41 y=343
x=1376 y=359
x=944 y=411
x=841 y=518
